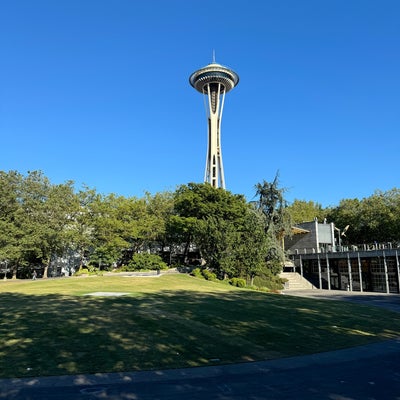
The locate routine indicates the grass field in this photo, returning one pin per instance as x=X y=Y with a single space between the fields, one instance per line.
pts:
x=51 y=327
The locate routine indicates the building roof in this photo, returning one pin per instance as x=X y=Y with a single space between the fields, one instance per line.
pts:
x=296 y=230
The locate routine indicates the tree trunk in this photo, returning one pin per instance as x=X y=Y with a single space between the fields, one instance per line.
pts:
x=46 y=268
x=251 y=280
x=81 y=255
x=14 y=272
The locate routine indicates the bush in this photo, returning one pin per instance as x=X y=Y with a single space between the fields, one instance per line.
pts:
x=210 y=276
x=197 y=273
x=268 y=280
x=204 y=274
x=146 y=261
x=86 y=271
x=238 y=282
x=83 y=271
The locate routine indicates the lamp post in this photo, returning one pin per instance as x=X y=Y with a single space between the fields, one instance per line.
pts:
x=339 y=239
x=340 y=234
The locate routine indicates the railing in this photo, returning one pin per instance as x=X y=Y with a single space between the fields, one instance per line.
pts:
x=346 y=248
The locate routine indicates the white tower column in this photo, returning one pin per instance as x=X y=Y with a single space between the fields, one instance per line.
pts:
x=214 y=173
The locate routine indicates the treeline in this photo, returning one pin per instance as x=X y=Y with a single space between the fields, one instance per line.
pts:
x=372 y=219
x=41 y=221
x=196 y=224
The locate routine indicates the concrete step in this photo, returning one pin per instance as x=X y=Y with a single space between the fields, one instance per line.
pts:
x=295 y=281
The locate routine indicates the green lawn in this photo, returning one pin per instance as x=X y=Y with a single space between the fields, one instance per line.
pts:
x=50 y=327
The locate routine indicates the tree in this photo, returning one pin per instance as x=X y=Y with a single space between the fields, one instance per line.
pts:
x=46 y=218
x=10 y=232
x=304 y=211
x=81 y=227
x=251 y=248
x=372 y=219
x=209 y=217
x=273 y=206
x=216 y=238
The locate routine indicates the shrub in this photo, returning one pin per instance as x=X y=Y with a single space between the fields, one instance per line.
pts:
x=197 y=273
x=210 y=276
x=269 y=280
x=83 y=271
x=86 y=271
x=146 y=261
x=238 y=282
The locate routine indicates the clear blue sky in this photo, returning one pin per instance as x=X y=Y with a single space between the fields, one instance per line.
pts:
x=97 y=92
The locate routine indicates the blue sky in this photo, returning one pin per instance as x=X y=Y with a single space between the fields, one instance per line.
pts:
x=97 y=92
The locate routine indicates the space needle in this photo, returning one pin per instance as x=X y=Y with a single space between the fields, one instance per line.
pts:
x=214 y=81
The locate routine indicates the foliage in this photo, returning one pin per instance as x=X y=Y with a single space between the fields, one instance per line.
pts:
x=204 y=274
x=197 y=273
x=247 y=256
x=269 y=281
x=272 y=205
x=209 y=217
x=37 y=217
x=372 y=219
x=304 y=211
x=208 y=275
x=90 y=270
x=40 y=221
x=238 y=282
x=146 y=261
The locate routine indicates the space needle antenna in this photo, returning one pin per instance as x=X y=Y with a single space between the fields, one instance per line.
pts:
x=214 y=81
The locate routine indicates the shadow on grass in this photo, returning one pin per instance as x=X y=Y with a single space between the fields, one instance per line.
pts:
x=56 y=335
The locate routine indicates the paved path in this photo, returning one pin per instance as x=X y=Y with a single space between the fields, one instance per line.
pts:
x=369 y=372
x=389 y=301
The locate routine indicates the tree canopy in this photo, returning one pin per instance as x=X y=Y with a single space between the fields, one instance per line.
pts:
x=197 y=223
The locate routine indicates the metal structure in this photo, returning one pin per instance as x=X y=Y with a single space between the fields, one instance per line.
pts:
x=214 y=81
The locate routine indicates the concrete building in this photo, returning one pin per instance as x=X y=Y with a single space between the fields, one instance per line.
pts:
x=311 y=237
x=317 y=254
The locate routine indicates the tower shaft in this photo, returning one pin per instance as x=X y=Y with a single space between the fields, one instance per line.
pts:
x=214 y=171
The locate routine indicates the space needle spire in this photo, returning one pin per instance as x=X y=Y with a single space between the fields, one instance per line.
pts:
x=214 y=81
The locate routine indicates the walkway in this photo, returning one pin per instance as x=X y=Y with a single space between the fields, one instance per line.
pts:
x=388 y=301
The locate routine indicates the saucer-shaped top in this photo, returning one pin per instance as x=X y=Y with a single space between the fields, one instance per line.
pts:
x=214 y=74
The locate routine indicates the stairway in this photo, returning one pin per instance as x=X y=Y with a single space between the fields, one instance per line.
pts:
x=295 y=281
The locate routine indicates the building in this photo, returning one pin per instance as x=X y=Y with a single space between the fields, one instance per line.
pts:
x=311 y=237
x=319 y=256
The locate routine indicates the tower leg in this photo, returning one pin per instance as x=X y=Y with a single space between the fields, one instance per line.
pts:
x=214 y=173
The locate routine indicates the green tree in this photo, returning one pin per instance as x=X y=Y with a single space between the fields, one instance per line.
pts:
x=251 y=247
x=305 y=211
x=112 y=228
x=272 y=205
x=10 y=232
x=47 y=217
x=372 y=219
x=80 y=231
x=216 y=238
x=208 y=217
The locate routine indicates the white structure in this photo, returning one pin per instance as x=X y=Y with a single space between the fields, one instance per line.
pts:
x=214 y=80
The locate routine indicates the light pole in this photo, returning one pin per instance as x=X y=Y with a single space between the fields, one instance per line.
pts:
x=339 y=239
x=340 y=234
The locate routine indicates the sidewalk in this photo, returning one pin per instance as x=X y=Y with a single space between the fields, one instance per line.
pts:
x=388 y=301
x=286 y=368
